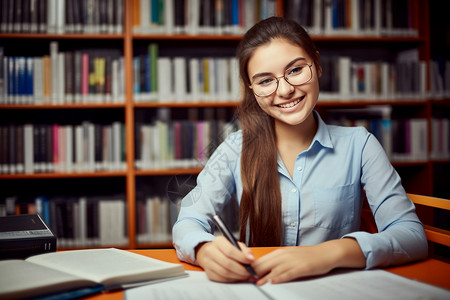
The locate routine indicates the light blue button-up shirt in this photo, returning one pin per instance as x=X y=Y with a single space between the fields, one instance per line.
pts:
x=322 y=201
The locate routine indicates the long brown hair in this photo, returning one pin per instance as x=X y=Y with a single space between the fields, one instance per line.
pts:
x=260 y=207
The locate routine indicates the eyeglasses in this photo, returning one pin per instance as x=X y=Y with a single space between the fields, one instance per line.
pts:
x=296 y=75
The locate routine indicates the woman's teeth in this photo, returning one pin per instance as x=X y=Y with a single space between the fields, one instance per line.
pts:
x=289 y=104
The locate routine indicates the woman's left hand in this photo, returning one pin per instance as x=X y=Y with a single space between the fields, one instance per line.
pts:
x=286 y=264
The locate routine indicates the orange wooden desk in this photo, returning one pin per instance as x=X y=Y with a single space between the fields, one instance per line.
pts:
x=430 y=271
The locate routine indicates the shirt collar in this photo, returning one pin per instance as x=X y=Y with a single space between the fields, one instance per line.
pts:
x=323 y=134
x=322 y=137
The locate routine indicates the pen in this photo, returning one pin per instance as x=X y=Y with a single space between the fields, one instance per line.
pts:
x=231 y=238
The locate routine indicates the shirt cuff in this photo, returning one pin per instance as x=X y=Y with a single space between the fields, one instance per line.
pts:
x=186 y=249
x=376 y=249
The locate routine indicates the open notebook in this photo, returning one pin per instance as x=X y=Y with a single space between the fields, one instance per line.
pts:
x=80 y=272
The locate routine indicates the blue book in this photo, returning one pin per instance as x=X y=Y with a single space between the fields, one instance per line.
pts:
x=137 y=68
x=234 y=12
x=29 y=70
x=19 y=87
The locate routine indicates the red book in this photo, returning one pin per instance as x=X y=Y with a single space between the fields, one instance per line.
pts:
x=85 y=74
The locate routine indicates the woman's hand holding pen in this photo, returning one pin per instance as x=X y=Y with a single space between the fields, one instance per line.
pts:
x=223 y=262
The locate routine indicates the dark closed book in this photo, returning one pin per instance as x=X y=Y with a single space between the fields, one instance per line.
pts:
x=22 y=236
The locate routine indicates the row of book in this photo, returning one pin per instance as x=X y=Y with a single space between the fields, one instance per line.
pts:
x=156 y=215
x=345 y=79
x=404 y=140
x=319 y=17
x=199 y=16
x=180 y=79
x=354 y=17
x=178 y=144
x=440 y=138
x=38 y=148
x=440 y=79
x=62 y=16
x=155 y=218
x=84 y=76
x=97 y=76
x=87 y=221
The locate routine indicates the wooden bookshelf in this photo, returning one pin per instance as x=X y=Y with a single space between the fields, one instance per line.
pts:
x=417 y=174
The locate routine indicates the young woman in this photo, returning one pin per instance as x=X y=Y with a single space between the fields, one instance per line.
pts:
x=299 y=181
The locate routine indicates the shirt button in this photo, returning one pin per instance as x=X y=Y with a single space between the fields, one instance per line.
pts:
x=299 y=168
x=293 y=224
x=294 y=190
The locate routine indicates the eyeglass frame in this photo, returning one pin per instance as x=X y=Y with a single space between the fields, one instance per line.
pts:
x=284 y=76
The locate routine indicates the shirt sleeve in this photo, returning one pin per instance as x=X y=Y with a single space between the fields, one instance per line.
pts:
x=401 y=236
x=215 y=186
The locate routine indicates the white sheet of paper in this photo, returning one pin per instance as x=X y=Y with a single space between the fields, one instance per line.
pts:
x=367 y=285
x=374 y=284
x=195 y=286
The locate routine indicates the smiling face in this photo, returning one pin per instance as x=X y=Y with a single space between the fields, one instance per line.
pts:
x=289 y=104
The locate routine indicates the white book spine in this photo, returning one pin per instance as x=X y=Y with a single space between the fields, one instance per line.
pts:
x=344 y=76
x=179 y=64
x=52 y=7
x=29 y=148
x=79 y=148
x=116 y=129
x=145 y=13
x=54 y=71
x=115 y=81
x=91 y=147
x=69 y=148
x=61 y=79
x=104 y=222
x=194 y=71
x=236 y=88
x=165 y=79
x=193 y=7
x=169 y=16
x=60 y=16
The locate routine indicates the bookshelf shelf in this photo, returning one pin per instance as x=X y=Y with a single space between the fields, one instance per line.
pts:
x=63 y=106
x=356 y=102
x=186 y=104
x=156 y=245
x=164 y=172
x=65 y=175
x=66 y=36
x=131 y=44
x=423 y=163
x=369 y=39
x=317 y=38
x=186 y=37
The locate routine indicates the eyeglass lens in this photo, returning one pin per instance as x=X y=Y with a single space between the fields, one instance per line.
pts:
x=295 y=75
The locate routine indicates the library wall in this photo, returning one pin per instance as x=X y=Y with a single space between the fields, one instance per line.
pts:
x=110 y=108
